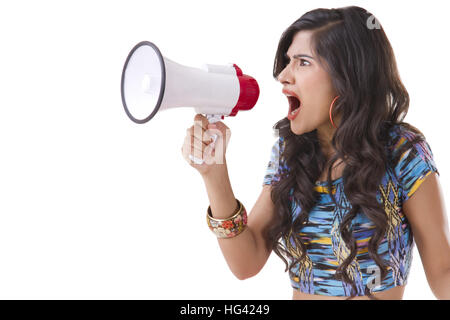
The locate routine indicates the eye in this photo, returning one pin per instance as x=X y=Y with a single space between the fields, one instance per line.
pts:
x=303 y=60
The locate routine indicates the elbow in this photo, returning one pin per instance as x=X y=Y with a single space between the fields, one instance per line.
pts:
x=245 y=275
x=440 y=285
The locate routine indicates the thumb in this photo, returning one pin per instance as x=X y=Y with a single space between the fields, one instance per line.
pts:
x=218 y=125
x=222 y=133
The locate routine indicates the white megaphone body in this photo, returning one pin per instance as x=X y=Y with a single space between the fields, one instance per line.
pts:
x=152 y=83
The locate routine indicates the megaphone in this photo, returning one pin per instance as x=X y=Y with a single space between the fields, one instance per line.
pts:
x=152 y=83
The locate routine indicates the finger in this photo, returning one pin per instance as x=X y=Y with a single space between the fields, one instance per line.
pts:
x=198 y=133
x=217 y=124
x=201 y=121
x=214 y=132
x=209 y=152
x=196 y=152
x=220 y=126
x=186 y=152
x=193 y=143
x=196 y=141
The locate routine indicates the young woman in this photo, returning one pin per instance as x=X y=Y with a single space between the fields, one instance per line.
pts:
x=349 y=187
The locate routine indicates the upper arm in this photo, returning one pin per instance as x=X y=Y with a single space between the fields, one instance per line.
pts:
x=258 y=219
x=427 y=216
x=263 y=212
x=423 y=205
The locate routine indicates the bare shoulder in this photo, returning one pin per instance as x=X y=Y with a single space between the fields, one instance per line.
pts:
x=427 y=215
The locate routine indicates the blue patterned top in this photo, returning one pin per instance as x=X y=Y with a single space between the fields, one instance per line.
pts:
x=326 y=250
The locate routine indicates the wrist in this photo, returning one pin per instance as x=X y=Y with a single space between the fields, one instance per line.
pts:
x=218 y=171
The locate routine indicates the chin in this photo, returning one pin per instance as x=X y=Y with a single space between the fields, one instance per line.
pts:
x=298 y=129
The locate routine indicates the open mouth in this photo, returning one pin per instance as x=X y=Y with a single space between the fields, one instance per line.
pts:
x=294 y=104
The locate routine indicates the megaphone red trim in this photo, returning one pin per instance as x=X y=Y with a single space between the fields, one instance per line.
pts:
x=249 y=93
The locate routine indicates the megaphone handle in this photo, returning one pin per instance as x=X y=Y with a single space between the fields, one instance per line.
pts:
x=212 y=118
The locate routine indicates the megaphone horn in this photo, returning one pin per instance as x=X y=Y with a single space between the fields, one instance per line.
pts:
x=152 y=83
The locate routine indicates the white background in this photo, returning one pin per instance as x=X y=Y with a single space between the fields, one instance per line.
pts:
x=94 y=206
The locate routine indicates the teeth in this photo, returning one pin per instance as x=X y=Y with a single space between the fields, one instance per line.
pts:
x=295 y=111
x=291 y=102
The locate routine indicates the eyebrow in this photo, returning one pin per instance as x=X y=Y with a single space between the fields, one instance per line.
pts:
x=298 y=56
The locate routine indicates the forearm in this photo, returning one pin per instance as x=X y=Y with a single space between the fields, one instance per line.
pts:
x=239 y=251
x=220 y=194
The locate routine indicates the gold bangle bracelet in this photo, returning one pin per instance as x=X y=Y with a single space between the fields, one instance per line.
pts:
x=231 y=217
x=229 y=227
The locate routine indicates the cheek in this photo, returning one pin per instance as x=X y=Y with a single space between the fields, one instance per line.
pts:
x=316 y=102
x=316 y=92
x=310 y=86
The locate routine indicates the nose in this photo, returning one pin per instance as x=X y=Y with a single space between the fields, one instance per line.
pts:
x=284 y=76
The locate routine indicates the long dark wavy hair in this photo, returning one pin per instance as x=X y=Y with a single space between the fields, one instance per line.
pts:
x=372 y=99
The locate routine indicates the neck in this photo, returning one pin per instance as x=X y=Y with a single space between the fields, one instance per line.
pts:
x=325 y=134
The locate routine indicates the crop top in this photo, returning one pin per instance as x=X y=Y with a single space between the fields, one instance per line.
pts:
x=325 y=247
